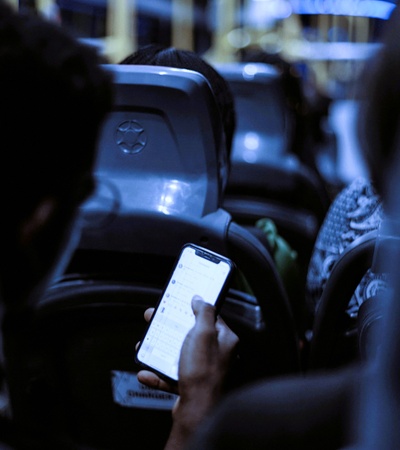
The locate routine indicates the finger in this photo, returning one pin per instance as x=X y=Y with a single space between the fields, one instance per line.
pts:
x=204 y=312
x=137 y=345
x=148 y=314
x=227 y=340
x=203 y=334
x=225 y=334
x=151 y=380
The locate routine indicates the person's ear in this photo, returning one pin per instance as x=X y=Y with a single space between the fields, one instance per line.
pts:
x=37 y=220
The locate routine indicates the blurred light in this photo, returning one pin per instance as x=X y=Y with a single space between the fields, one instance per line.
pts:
x=378 y=9
x=271 y=42
x=173 y=193
x=247 y=147
x=249 y=71
x=252 y=141
x=264 y=13
x=250 y=156
x=238 y=38
x=338 y=51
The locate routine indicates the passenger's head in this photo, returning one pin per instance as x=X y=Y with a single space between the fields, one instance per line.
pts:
x=53 y=97
x=308 y=106
x=291 y=78
x=157 y=55
x=379 y=118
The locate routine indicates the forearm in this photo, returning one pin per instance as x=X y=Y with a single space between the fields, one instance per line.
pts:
x=205 y=359
x=187 y=416
x=178 y=437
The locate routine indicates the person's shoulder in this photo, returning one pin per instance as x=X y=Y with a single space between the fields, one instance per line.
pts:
x=356 y=203
x=8 y=434
x=360 y=185
x=14 y=437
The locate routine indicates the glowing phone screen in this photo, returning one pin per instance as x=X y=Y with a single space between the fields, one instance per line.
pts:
x=194 y=274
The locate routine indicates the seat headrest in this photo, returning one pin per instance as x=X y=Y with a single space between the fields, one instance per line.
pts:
x=264 y=125
x=158 y=147
x=157 y=163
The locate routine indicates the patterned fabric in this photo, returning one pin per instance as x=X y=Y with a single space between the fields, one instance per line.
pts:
x=355 y=211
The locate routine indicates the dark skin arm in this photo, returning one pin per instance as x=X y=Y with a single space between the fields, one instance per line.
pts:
x=204 y=362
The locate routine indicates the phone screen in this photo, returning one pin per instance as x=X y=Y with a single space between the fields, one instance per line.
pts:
x=198 y=271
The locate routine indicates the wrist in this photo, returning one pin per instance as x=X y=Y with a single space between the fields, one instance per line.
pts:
x=188 y=413
x=183 y=427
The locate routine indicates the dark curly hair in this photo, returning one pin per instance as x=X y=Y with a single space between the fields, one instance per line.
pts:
x=54 y=94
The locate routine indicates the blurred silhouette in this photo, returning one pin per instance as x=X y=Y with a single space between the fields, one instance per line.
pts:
x=54 y=99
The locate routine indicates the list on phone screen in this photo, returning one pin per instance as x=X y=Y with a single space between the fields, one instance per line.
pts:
x=193 y=275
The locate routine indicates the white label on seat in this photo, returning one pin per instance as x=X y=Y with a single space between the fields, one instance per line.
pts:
x=129 y=392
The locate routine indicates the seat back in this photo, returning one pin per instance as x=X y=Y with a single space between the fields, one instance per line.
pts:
x=338 y=339
x=267 y=179
x=75 y=374
x=264 y=128
x=284 y=190
x=334 y=337
x=147 y=146
x=150 y=167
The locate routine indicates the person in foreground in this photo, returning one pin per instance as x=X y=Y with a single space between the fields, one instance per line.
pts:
x=54 y=98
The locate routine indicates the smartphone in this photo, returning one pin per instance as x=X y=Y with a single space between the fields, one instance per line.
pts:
x=197 y=271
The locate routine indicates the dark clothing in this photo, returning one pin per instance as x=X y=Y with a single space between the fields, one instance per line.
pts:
x=293 y=413
x=15 y=438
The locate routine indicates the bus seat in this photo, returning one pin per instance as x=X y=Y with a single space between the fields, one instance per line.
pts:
x=264 y=124
x=334 y=337
x=285 y=191
x=147 y=143
x=75 y=371
x=267 y=179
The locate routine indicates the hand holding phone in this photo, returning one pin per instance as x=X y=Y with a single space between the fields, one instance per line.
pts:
x=198 y=271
